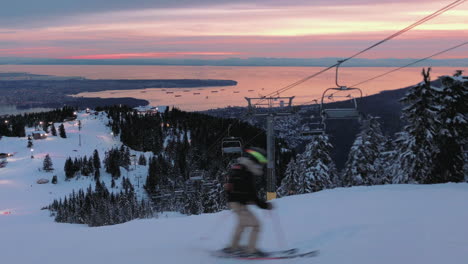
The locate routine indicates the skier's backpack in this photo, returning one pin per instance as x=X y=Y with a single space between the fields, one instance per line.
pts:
x=233 y=178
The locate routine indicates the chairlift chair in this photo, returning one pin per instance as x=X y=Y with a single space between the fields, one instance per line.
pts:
x=350 y=112
x=197 y=175
x=342 y=112
x=231 y=145
x=313 y=129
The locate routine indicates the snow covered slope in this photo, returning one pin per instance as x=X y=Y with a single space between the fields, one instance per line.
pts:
x=366 y=225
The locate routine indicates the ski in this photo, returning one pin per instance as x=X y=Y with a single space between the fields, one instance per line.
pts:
x=271 y=255
x=312 y=253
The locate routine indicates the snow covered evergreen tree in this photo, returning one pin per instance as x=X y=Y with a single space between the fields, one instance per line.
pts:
x=152 y=178
x=53 y=130
x=96 y=160
x=69 y=168
x=320 y=169
x=193 y=202
x=384 y=163
x=314 y=168
x=360 y=168
x=30 y=143
x=291 y=182
x=142 y=160
x=452 y=133
x=62 y=132
x=47 y=164
x=415 y=146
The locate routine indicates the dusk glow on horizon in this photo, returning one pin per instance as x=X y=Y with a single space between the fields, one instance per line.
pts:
x=221 y=29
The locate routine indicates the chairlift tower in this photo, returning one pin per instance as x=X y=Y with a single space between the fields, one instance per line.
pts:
x=270 y=107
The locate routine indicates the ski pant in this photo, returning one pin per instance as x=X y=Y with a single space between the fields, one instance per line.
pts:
x=246 y=219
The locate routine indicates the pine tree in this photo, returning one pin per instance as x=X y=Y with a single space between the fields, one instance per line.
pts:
x=152 y=178
x=53 y=130
x=69 y=169
x=384 y=164
x=84 y=166
x=62 y=132
x=126 y=159
x=112 y=162
x=97 y=175
x=90 y=166
x=193 y=202
x=321 y=170
x=45 y=127
x=315 y=167
x=96 y=165
x=416 y=147
x=30 y=143
x=360 y=168
x=452 y=134
x=291 y=183
x=47 y=164
x=142 y=160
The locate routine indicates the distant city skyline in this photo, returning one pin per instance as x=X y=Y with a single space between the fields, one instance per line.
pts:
x=216 y=30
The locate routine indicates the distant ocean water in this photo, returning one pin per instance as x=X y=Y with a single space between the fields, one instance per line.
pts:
x=11 y=110
x=252 y=81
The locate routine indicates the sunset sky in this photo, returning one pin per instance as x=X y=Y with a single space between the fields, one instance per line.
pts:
x=213 y=29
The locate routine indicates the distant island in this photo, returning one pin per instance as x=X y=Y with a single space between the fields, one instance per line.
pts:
x=29 y=91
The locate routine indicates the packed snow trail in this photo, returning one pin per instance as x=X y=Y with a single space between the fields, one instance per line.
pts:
x=366 y=225
x=380 y=224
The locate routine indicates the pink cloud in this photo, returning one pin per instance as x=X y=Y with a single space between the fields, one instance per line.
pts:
x=150 y=55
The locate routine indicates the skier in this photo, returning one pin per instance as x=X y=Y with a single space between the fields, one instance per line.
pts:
x=241 y=190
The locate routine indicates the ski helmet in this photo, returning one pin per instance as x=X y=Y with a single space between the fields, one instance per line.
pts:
x=258 y=155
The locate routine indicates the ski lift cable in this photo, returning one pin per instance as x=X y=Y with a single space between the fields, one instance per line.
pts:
x=409 y=64
x=397 y=69
x=417 y=23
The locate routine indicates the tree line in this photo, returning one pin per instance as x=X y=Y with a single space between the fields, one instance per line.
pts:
x=83 y=166
x=14 y=125
x=429 y=150
x=100 y=207
x=184 y=142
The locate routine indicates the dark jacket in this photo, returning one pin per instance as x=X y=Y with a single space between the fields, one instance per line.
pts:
x=240 y=186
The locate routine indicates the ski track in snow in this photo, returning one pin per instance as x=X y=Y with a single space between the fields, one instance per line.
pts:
x=366 y=225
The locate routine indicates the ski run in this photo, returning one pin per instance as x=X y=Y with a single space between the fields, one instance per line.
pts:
x=366 y=225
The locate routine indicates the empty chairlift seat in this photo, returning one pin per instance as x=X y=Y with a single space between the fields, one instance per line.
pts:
x=313 y=129
x=341 y=113
x=197 y=175
x=350 y=105
x=231 y=145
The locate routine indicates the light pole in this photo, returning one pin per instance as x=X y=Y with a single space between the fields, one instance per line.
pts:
x=134 y=160
x=79 y=132
x=138 y=180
